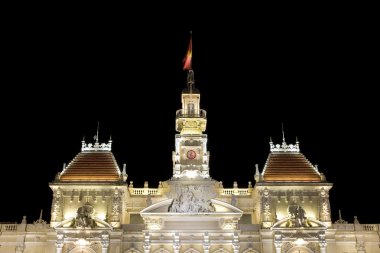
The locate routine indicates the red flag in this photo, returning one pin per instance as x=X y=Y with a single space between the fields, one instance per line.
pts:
x=187 y=59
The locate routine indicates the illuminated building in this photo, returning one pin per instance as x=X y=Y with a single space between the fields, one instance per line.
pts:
x=95 y=209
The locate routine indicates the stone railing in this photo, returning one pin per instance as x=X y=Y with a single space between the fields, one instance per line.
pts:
x=236 y=191
x=144 y=191
x=8 y=227
x=357 y=227
x=368 y=227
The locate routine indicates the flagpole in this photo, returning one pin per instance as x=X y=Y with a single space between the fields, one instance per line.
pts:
x=188 y=66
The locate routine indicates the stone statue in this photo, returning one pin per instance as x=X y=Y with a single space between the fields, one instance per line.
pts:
x=297 y=216
x=191 y=200
x=84 y=217
x=300 y=217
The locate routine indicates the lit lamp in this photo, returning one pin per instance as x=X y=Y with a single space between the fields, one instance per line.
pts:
x=300 y=242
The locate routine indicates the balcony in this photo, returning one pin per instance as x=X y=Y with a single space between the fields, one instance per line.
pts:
x=180 y=114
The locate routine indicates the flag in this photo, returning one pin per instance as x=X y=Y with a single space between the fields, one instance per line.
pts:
x=187 y=59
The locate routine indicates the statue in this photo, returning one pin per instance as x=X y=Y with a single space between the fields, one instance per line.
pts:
x=297 y=216
x=84 y=218
x=300 y=217
x=190 y=200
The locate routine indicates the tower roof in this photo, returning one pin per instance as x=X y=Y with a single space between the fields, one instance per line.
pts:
x=286 y=163
x=95 y=163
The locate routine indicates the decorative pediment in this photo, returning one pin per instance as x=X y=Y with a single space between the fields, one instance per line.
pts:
x=222 y=216
x=291 y=223
x=165 y=206
x=71 y=224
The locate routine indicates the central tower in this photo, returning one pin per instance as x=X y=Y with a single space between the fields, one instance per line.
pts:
x=190 y=158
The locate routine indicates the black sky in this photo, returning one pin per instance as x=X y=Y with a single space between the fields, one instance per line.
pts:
x=313 y=71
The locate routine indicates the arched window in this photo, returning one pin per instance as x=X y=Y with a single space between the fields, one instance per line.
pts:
x=191 y=250
x=81 y=250
x=221 y=251
x=299 y=249
x=132 y=251
x=161 y=250
x=250 y=251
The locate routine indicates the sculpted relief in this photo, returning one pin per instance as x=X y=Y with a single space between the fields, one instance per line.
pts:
x=297 y=217
x=84 y=217
x=191 y=199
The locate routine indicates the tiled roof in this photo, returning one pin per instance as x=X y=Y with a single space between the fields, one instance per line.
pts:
x=97 y=166
x=292 y=166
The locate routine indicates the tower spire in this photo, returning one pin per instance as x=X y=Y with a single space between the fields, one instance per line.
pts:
x=97 y=134
x=283 y=133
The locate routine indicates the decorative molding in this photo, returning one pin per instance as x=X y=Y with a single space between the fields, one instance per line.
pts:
x=83 y=235
x=116 y=205
x=96 y=146
x=105 y=240
x=325 y=213
x=229 y=223
x=60 y=240
x=56 y=208
x=266 y=205
x=284 y=148
x=152 y=223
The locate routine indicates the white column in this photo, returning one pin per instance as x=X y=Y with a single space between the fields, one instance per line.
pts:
x=146 y=248
x=278 y=242
x=206 y=248
x=105 y=242
x=176 y=248
x=59 y=250
x=278 y=245
x=147 y=245
x=235 y=243
x=206 y=243
x=176 y=243
x=59 y=242
x=322 y=242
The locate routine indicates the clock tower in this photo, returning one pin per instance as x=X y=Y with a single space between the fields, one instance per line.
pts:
x=190 y=158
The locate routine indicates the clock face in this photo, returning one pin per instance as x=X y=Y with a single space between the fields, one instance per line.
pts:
x=191 y=154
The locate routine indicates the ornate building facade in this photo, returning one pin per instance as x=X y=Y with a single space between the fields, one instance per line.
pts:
x=95 y=209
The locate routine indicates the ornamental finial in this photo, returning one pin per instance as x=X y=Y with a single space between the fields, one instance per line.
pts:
x=89 y=147
x=283 y=133
x=97 y=134
x=340 y=221
x=284 y=147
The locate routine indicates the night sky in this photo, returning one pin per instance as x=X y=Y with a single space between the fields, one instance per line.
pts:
x=314 y=72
